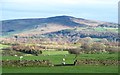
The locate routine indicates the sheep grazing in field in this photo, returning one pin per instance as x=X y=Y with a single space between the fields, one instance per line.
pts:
x=15 y=55
x=63 y=61
x=7 y=59
x=21 y=57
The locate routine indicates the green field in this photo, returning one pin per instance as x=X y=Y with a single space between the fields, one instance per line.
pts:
x=3 y=46
x=112 y=29
x=62 y=69
x=56 y=58
x=54 y=52
x=98 y=29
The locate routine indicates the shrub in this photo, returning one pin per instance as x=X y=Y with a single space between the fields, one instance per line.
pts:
x=112 y=49
x=27 y=49
x=74 y=51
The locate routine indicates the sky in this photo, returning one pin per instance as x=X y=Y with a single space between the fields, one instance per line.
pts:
x=103 y=10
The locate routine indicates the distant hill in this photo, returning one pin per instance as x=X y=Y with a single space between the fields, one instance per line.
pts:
x=24 y=27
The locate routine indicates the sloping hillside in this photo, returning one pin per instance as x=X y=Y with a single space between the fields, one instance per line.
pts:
x=47 y=25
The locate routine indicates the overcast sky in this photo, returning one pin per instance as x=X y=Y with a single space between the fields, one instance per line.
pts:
x=103 y=10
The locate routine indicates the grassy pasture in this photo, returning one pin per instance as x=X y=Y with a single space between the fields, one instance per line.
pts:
x=57 y=59
x=54 y=52
x=102 y=29
x=3 y=46
x=62 y=69
x=112 y=29
x=98 y=29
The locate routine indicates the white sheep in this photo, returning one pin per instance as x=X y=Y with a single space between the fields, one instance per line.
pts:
x=63 y=59
x=15 y=55
x=21 y=57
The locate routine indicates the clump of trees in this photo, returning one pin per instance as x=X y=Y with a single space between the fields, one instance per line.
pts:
x=112 y=49
x=28 y=49
x=74 y=51
x=90 y=46
x=102 y=46
x=11 y=53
